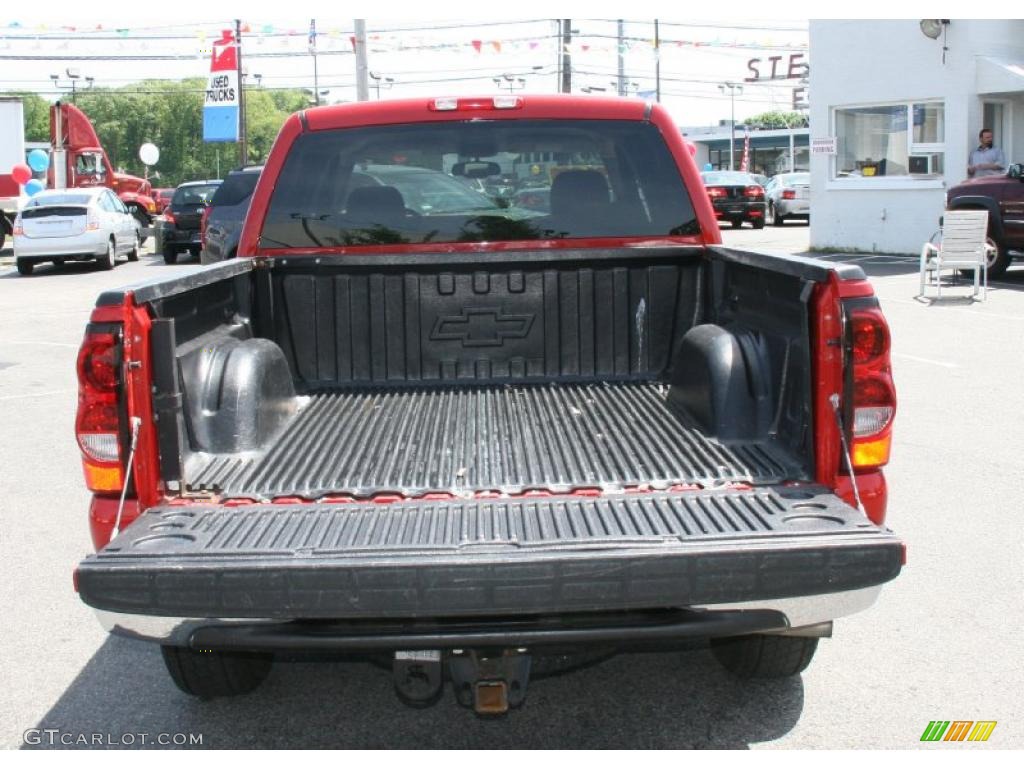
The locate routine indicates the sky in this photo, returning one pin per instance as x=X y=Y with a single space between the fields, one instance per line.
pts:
x=439 y=56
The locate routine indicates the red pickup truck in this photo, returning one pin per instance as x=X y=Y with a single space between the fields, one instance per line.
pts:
x=414 y=421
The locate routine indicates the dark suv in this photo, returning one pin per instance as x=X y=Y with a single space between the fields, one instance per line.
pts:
x=180 y=228
x=227 y=214
x=1003 y=198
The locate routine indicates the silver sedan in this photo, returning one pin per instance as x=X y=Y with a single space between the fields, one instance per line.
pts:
x=789 y=197
x=59 y=225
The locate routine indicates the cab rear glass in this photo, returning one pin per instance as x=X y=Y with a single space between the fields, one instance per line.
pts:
x=237 y=187
x=467 y=182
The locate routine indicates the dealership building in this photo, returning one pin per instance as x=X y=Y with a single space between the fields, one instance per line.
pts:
x=895 y=108
x=771 y=151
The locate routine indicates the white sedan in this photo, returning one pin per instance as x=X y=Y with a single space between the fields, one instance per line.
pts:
x=59 y=225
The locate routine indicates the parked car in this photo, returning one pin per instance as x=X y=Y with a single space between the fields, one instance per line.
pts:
x=222 y=224
x=736 y=197
x=789 y=197
x=464 y=438
x=1003 y=198
x=88 y=224
x=179 y=231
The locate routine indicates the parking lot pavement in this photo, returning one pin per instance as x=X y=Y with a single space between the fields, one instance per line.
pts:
x=942 y=642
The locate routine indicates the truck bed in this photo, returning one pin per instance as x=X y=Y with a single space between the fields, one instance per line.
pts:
x=508 y=438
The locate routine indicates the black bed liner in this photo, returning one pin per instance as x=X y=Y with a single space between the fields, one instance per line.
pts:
x=510 y=438
x=489 y=556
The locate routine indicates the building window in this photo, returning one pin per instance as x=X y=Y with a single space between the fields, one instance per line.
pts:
x=890 y=140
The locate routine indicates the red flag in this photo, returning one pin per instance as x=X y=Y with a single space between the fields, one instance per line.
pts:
x=477 y=45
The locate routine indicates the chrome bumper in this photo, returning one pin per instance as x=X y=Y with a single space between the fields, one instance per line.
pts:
x=799 y=612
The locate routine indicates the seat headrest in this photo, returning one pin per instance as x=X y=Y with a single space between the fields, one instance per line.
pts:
x=375 y=203
x=575 y=191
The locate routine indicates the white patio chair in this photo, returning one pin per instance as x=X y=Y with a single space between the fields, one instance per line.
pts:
x=962 y=247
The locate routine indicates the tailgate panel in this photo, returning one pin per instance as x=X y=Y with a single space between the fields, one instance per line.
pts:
x=487 y=556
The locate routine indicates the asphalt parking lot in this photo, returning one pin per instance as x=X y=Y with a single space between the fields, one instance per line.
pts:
x=942 y=643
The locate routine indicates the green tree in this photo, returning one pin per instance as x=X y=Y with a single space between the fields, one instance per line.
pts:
x=170 y=115
x=770 y=120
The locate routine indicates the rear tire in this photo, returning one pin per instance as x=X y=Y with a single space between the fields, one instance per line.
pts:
x=170 y=255
x=777 y=221
x=215 y=674
x=107 y=261
x=764 y=656
x=142 y=217
x=737 y=223
x=757 y=224
x=25 y=267
x=998 y=265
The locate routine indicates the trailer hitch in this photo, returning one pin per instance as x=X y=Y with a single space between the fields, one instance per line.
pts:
x=490 y=682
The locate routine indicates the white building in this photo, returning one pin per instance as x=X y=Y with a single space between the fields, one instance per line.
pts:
x=905 y=111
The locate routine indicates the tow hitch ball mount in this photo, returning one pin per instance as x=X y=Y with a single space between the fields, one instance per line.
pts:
x=489 y=682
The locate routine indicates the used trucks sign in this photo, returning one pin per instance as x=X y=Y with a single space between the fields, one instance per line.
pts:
x=220 y=112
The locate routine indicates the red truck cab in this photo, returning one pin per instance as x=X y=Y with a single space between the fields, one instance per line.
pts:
x=87 y=164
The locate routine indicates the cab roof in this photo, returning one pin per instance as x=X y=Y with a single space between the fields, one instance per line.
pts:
x=527 y=107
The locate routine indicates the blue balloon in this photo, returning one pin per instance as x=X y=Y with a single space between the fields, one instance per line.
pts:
x=708 y=167
x=34 y=187
x=38 y=160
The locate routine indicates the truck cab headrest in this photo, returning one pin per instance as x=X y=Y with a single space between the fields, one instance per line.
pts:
x=577 y=192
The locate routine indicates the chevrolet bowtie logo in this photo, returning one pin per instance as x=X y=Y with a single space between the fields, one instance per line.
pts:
x=481 y=327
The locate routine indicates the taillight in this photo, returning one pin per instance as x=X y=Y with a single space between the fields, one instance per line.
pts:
x=789 y=194
x=870 y=335
x=92 y=223
x=18 y=228
x=874 y=395
x=754 y=191
x=168 y=216
x=97 y=423
x=714 y=192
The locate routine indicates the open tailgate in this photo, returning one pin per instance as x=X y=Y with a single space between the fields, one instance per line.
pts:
x=488 y=556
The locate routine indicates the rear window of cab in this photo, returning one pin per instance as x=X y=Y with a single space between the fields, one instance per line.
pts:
x=457 y=182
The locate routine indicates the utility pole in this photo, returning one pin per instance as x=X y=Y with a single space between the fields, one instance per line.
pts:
x=566 y=56
x=657 y=63
x=622 y=59
x=733 y=90
x=242 y=149
x=362 y=70
x=312 y=51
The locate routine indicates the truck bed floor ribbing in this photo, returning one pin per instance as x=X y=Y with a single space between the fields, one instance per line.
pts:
x=504 y=438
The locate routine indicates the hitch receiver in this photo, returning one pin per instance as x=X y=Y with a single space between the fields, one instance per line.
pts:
x=490 y=684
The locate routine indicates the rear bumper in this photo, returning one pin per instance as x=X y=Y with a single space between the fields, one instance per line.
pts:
x=739 y=210
x=180 y=238
x=717 y=620
x=793 y=207
x=85 y=245
x=487 y=558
